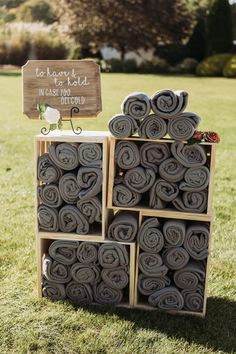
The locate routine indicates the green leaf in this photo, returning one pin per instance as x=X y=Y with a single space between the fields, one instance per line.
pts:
x=53 y=126
x=60 y=125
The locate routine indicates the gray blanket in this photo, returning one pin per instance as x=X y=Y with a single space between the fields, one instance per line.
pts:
x=49 y=195
x=63 y=251
x=89 y=179
x=167 y=299
x=79 y=294
x=127 y=155
x=148 y=285
x=87 y=252
x=85 y=273
x=53 y=291
x=193 y=299
x=168 y=103
x=153 y=154
x=193 y=202
x=150 y=264
x=136 y=105
x=197 y=240
x=64 y=155
x=90 y=154
x=139 y=179
x=47 y=218
x=174 y=233
x=55 y=272
x=172 y=170
x=123 y=227
x=69 y=188
x=152 y=127
x=91 y=208
x=123 y=126
x=190 y=276
x=115 y=278
x=195 y=179
x=47 y=171
x=189 y=155
x=182 y=127
x=161 y=193
x=124 y=197
x=175 y=258
x=72 y=220
x=112 y=255
x=105 y=295
x=150 y=237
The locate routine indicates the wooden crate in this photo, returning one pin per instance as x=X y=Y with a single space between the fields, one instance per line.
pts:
x=44 y=240
x=41 y=146
x=172 y=213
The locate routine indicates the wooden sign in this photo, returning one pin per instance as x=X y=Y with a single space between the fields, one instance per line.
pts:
x=62 y=84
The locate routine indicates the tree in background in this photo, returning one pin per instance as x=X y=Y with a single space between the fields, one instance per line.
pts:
x=36 y=11
x=196 y=46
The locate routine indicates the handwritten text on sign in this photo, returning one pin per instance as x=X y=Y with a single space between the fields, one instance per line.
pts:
x=62 y=85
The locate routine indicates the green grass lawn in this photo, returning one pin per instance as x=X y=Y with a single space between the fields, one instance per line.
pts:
x=29 y=325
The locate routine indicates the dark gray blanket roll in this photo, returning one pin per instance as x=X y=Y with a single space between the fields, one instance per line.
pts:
x=124 y=197
x=193 y=299
x=91 y=208
x=71 y=219
x=150 y=237
x=53 y=291
x=47 y=218
x=167 y=299
x=175 y=258
x=90 y=154
x=87 y=252
x=151 y=264
x=63 y=251
x=127 y=155
x=47 y=171
x=189 y=155
x=136 y=105
x=172 y=170
x=197 y=240
x=168 y=103
x=174 y=233
x=152 y=127
x=113 y=255
x=123 y=126
x=105 y=295
x=50 y=195
x=153 y=154
x=148 y=285
x=64 y=155
x=183 y=126
x=193 y=202
x=89 y=179
x=55 y=272
x=139 y=179
x=162 y=192
x=115 y=278
x=190 y=276
x=79 y=294
x=69 y=188
x=195 y=179
x=123 y=227
x=85 y=273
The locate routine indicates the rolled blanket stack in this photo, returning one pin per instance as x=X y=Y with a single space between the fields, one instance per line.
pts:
x=152 y=127
x=153 y=154
x=123 y=228
x=50 y=195
x=90 y=154
x=150 y=237
x=168 y=298
x=139 y=179
x=183 y=126
x=168 y=103
x=197 y=240
x=148 y=285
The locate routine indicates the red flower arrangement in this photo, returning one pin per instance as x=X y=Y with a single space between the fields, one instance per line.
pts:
x=210 y=137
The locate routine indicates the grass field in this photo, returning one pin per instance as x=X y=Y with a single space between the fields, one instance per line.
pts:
x=28 y=325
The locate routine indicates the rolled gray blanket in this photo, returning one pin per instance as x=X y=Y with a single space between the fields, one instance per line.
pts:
x=69 y=188
x=148 y=285
x=47 y=171
x=91 y=208
x=172 y=170
x=53 y=291
x=87 y=252
x=79 y=294
x=71 y=219
x=55 y=272
x=167 y=299
x=182 y=127
x=150 y=264
x=152 y=127
x=197 y=240
x=175 y=258
x=189 y=155
x=64 y=155
x=194 y=202
x=124 y=197
x=112 y=255
x=136 y=105
x=63 y=251
x=153 y=154
x=168 y=103
x=123 y=227
x=85 y=273
x=150 y=237
x=193 y=299
x=195 y=179
x=190 y=276
x=174 y=233
x=49 y=195
x=127 y=155
x=115 y=278
x=162 y=191
x=139 y=179
x=89 y=179
x=47 y=218
x=105 y=295
x=90 y=154
x=123 y=126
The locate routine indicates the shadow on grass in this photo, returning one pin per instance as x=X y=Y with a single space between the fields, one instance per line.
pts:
x=217 y=331
x=3 y=73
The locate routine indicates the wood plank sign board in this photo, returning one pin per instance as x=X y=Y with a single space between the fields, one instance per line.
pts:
x=62 y=84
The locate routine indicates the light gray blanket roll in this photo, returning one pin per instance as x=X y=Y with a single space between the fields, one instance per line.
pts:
x=123 y=126
x=124 y=197
x=150 y=237
x=91 y=208
x=64 y=155
x=89 y=179
x=85 y=273
x=79 y=294
x=153 y=154
x=175 y=258
x=90 y=154
x=105 y=295
x=113 y=255
x=63 y=251
x=183 y=126
x=161 y=193
x=123 y=227
x=148 y=285
x=69 y=188
x=193 y=299
x=174 y=232
x=127 y=155
x=87 y=252
x=115 y=278
x=136 y=105
x=47 y=171
x=190 y=276
x=195 y=179
x=139 y=179
x=152 y=127
x=47 y=218
x=71 y=219
x=49 y=195
x=53 y=291
x=55 y=272
x=172 y=170
x=189 y=155
x=168 y=103
x=193 y=202
x=197 y=240
x=150 y=264
x=167 y=299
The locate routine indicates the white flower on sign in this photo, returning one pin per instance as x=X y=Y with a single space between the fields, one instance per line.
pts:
x=51 y=115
